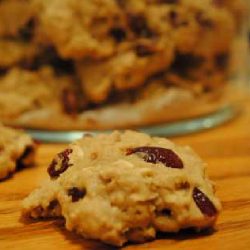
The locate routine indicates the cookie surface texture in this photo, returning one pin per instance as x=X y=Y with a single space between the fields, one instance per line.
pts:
x=125 y=187
x=16 y=151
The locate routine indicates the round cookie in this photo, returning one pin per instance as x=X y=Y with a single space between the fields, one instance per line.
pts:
x=126 y=186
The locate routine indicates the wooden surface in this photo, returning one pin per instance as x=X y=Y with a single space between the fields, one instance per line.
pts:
x=226 y=149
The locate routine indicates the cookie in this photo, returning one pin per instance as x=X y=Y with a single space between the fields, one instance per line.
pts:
x=78 y=35
x=127 y=71
x=42 y=89
x=124 y=187
x=107 y=58
x=149 y=40
x=17 y=150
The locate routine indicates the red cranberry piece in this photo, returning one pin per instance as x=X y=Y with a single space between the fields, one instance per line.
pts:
x=53 y=204
x=76 y=193
x=203 y=203
x=69 y=101
x=157 y=154
x=63 y=159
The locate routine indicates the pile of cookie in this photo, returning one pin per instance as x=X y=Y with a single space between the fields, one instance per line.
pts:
x=70 y=59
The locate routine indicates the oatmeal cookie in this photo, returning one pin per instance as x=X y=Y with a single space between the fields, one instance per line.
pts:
x=22 y=91
x=107 y=52
x=128 y=70
x=126 y=187
x=16 y=151
x=78 y=28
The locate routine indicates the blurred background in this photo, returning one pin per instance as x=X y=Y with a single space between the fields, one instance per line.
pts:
x=165 y=67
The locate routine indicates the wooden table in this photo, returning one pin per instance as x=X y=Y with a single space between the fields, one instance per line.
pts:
x=226 y=149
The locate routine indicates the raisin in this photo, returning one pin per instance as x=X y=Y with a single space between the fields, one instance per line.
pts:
x=49 y=56
x=166 y=212
x=184 y=62
x=203 y=203
x=118 y=34
x=53 y=204
x=76 y=193
x=143 y=51
x=157 y=154
x=138 y=24
x=62 y=160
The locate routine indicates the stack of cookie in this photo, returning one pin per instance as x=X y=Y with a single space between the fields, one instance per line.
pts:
x=85 y=62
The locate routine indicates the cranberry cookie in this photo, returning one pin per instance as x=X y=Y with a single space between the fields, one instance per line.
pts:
x=16 y=151
x=126 y=187
x=23 y=91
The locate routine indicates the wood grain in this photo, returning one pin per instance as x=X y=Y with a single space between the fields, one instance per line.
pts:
x=227 y=151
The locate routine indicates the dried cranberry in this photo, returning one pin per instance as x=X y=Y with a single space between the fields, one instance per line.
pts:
x=53 y=204
x=183 y=63
x=62 y=161
x=203 y=203
x=76 y=193
x=69 y=101
x=166 y=212
x=157 y=154
x=119 y=34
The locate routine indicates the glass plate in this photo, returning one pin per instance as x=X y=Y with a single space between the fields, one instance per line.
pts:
x=170 y=129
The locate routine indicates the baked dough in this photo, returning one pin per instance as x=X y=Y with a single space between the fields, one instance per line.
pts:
x=126 y=186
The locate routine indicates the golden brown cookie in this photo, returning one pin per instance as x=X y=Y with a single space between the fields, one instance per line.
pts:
x=126 y=187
